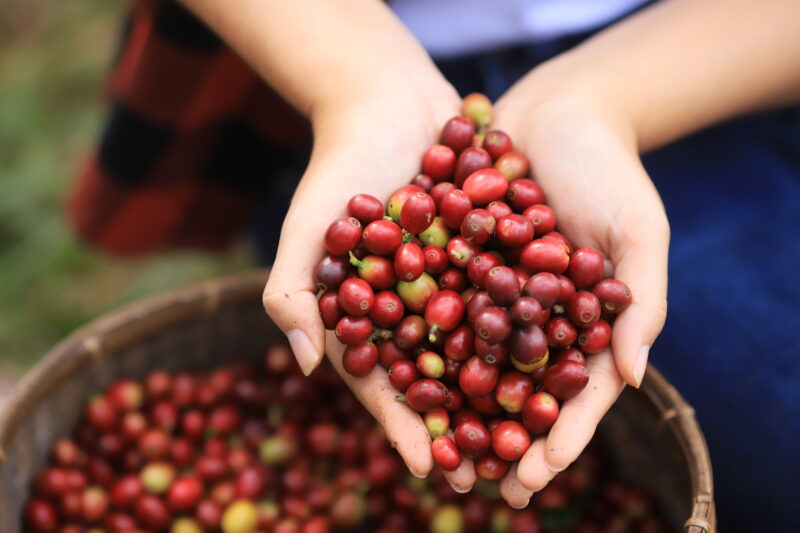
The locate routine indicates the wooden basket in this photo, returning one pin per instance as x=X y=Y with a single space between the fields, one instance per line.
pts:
x=651 y=434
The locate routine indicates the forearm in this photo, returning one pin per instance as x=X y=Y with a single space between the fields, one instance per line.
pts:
x=318 y=53
x=679 y=66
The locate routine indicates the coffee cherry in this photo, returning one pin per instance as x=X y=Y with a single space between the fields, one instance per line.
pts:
x=514 y=230
x=491 y=467
x=477 y=377
x=410 y=332
x=435 y=260
x=424 y=395
x=513 y=165
x=457 y=134
x=566 y=379
x=499 y=209
x=355 y=297
x=478 y=108
x=560 y=238
x=527 y=311
x=365 y=208
x=472 y=438
x=436 y=235
x=480 y=266
x=329 y=309
x=382 y=237
x=377 y=271
x=496 y=143
x=570 y=354
x=424 y=181
x=353 y=330
x=41 y=515
x=510 y=440
x=461 y=251
x=402 y=374
x=502 y=286
x=437 y=422
x=614 y=295
x=240 y=517
x=439 y=162
x=416 y=294
x=445 y=453
x=459 y=344
x=540 y=413
x=398 y=198
x=512 y=390
x=545 y=255
x=342 y=235
x=101 y=413
x=566 y=289
x=418 y=212
x=479 y=301
x=542 y=218
x=360 y=359
x=330 y=272
x=444 y=312
x=493 y=324
x=387 y=310
x=470 y=161
x=584 y=309
x=491 y=353
x=439 y=191
x=585 y=268
x=560 y=332
x=185 y=493
x=596 y=338
x=409 y=262
x=528 y=345
x=486 y=185
x=453 y=279
x=430 y=365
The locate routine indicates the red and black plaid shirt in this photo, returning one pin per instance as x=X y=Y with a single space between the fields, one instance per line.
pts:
x=192 y=143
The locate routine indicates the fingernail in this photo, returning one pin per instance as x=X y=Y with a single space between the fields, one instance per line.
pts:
x=554 y=468
x=641 y=365
x=461 y=491
x=421 y=476
x=307 y=356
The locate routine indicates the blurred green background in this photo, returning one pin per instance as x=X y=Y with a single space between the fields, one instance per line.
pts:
x=53 y=59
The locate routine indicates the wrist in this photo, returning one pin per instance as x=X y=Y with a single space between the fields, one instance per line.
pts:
x=554 y=98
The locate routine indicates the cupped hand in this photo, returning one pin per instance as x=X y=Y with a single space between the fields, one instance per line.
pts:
x=374 y=147
x=586 y=160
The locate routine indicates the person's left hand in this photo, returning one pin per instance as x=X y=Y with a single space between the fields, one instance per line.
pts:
x=586 y=161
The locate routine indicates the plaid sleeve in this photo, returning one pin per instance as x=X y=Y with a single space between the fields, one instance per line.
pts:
x=192 y=140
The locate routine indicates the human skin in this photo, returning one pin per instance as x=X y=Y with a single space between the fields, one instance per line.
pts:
x=376 y=101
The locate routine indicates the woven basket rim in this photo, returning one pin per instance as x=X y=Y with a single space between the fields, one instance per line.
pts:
x=120 y=327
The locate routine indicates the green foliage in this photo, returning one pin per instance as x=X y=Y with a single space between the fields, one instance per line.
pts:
x=53 y=59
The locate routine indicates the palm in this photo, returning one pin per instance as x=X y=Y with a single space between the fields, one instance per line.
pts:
x=603 y=199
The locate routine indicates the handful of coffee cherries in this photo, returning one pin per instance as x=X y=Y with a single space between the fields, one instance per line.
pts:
x=461 y=287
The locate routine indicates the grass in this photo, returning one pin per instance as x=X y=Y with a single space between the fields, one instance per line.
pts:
x=53 y=59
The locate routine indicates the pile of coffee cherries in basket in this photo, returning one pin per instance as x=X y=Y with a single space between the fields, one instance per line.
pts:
x=261 y=449
x=461 y=287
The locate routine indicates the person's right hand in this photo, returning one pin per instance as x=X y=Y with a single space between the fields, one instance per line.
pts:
x=372 y=147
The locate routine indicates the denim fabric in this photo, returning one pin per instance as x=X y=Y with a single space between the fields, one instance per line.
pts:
x=731 y=343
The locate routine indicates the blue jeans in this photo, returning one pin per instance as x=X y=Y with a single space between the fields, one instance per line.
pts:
x=731 y=343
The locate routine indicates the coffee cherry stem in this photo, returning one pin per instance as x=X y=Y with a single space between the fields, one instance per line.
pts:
x=355 y=261
x=380 y=334
x=407 y=237
x=434 y=334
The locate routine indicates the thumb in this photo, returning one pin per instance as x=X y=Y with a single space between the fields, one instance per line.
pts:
x=290 y=295
x=643 y=267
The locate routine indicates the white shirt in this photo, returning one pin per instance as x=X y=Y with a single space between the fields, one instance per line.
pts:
x=448 y=28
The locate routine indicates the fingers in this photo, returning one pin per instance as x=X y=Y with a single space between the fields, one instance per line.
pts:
x=532 y=470
x=579 y=417
x=403 y=427
x=462 y=478
x=643 y=267
x=514 y=492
